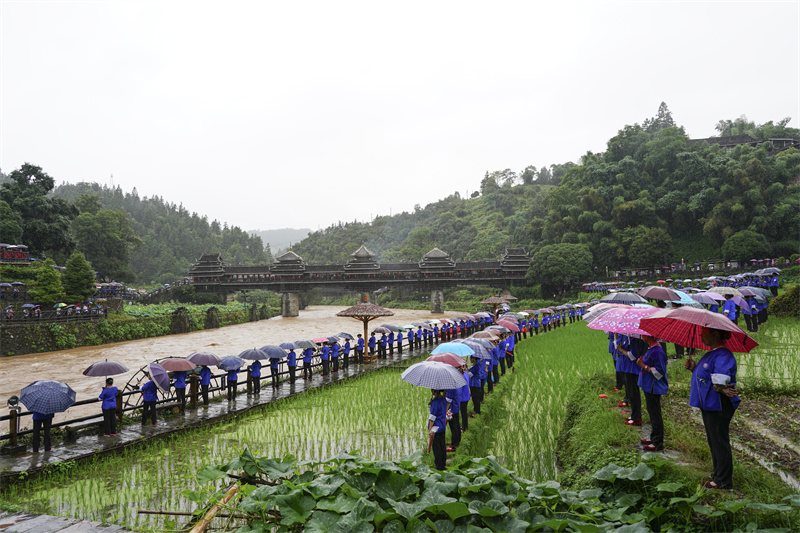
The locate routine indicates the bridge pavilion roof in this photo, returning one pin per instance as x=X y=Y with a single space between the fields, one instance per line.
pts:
x=515 y=259
x=362 y=261
x=288 y=262
x=436 y=261
x=208 y=265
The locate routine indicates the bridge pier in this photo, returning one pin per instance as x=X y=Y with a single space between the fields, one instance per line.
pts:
x=290 y=304
x=437 y=301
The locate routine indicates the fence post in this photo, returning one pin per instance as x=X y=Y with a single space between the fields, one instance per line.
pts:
x=13 y=426
x=118 y=409
x=193 y=381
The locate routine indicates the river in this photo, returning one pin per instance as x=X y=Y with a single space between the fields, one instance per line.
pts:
x=68 y=365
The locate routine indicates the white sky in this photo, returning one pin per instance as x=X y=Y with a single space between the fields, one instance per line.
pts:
x=271 y=114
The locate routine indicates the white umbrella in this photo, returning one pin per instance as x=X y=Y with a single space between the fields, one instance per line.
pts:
x=434 y=375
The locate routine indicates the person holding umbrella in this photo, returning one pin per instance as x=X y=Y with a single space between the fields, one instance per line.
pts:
x=273 y=368
x=335 y=356
x=653 y=381
x=729 y=309
x=308 y=354
x=453 y=398
x=360 y=350
x=109 y=405
x=291 y=362
x=399 y=343
x=476 y=377
x=41 y=421
x=346 y=354
x=149 y=398
x=437 y=420
x=205 y=381
x=629 y=350
x=255 y=376
x=714 y=393
x=233 y=383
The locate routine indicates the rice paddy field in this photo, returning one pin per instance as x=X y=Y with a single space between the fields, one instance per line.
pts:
x=777 y=358
x=377 y=414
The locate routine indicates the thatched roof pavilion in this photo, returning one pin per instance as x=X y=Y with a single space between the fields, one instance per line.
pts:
x=365 y=312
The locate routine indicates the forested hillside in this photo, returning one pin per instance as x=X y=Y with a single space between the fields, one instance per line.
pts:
x=650 y=198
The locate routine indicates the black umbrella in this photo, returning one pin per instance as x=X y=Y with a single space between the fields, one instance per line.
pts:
x=306 y=344
x=105 y=368
x=344 y=335
x=390 y=327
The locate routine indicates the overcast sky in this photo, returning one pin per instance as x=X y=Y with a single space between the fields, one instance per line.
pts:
x=271 y=114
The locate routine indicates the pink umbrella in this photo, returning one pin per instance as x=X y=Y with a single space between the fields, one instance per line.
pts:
x=684 y=325
x=448 y=359
x=508 y=324
x=622 y=320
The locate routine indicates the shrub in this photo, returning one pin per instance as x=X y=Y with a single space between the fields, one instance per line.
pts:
x=788 y=303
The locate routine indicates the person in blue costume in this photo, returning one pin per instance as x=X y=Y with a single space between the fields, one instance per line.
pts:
x=419 y=338
x=371 y=344
x=435 y=334
x=390 y=342
x=501 y=356
x=180 y=388
x=255 y=376
x=400 y=343
x=291 y=364
x=476 y=377
x=545 y=322
x=714 y=393
x=325 y=357
x=490 y=368
x=149 y=399
x=536 y=324
x=437 y=423
x=109 y=406
x=629 y=350
x=233 y=383
x=41 y=424
x=308 y=354
x=750 y=313
x=346 y=354
x=274 y=362
x=383 y=342
x=729 y=308
x=465 y=397
x=360 y=350
x=773 y=285
x=453 y=397
x=511 y=343
x=714 y=308
x=653 y=382
x=335 y=356
x=205 y=381
x=620 y=377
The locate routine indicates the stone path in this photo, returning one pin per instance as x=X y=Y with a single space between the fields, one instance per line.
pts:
x=33 y=523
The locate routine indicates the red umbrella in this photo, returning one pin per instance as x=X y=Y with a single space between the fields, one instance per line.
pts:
x=683 y=326
x=448 y=359
x=661 y=281
x=659 y=293
x=508 y=324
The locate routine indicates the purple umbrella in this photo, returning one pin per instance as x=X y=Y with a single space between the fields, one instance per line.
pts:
x=160 y=376
x=204 y=359
x=105 y=368
x=273 y=352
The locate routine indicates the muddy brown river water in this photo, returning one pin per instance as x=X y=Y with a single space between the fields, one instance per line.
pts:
x=68 y=365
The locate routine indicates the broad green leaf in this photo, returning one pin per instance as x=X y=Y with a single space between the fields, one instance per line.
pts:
x=415 y=525
x=642 y=472
x=295 y=507
x=669 y=487
x=769 y=506
x=639 y=527
x=432 y=498
x=277 y=469
x=590 y=494
x=362 y=481
x=409 y=460
x=733 y=506
x=444 y=526
x=210 y=473
x=325 y=485
x=556 y=525
x=506 y=523
x=196 y=497
x=382 y=516
x=627 y=500
x=406 y=510
x=394 y=486
x=793 y=499
x=455 y=510
x=341 y=503
x=490 y=508
x=656 y=510
x=609 y=472
x=321 y=521
x=395 y=526
x=614 y=515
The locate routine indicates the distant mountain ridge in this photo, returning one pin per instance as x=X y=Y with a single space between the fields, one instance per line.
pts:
x=280 y=239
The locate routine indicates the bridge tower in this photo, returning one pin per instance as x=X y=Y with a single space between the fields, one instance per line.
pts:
x=438 y=264
x=289 y=265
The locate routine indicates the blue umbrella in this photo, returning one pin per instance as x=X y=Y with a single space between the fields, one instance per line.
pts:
x=253 y=354
x=273 y=352
x=686 y=300
x=160 y=376
x=230 y=362
x=290 y=346
x=481 y=350
x=47 y=396
x=433 y=375
x=459 y=349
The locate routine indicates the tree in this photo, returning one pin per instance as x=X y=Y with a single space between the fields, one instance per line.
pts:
x=45 y=220
x=528 y=175
x=560 y=266
x=78 y=278
x=10 y=224
x=746 y=245
x=48 y=290
x=663 y=119
x=651 y=248
x=106 y=240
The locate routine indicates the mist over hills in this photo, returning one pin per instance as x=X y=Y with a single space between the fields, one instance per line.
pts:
x=280 y=239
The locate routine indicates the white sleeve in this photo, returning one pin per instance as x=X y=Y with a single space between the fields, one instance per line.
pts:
x=720 y=379
x=657 y=374
x=432 y=417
